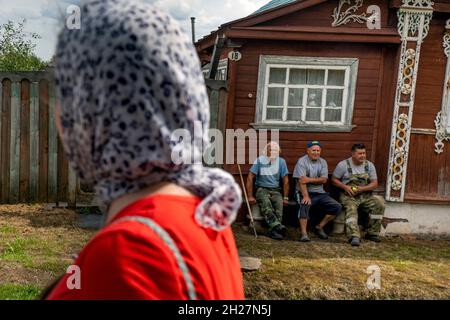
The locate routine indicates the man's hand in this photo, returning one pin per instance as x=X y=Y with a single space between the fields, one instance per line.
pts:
x=251 y=200
x=285 y=202
x=306 y=200
x=351 y=191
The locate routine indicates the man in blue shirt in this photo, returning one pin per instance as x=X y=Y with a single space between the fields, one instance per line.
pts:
x=268 y=170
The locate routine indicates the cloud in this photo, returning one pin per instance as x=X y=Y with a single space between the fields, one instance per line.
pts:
x=44 y=16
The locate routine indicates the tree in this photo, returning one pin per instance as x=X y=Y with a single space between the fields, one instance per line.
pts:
x=17 y=49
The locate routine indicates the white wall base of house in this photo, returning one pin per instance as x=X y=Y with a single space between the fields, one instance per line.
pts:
x=401 y=218
x=420 y=219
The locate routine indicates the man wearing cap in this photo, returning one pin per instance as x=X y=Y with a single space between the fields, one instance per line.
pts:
x=357 y=177
x=311 y=172
x=268 y=170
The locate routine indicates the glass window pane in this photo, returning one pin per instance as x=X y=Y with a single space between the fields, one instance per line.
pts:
x=333 y=115
x=295 y=97
x=313 y=114
x=314 y=97
x=297 y=76
x=334 y=97
x=221 y=74
x=336 y=77
x=276 y=97
x=274 y=114
x=316 y=76
x=294 y=114
x=277 y=75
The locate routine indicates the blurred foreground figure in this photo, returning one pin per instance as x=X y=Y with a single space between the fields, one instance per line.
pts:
x=126 y=81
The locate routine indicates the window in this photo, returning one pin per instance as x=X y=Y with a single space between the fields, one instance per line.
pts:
x=222 y=70
x=301 y=93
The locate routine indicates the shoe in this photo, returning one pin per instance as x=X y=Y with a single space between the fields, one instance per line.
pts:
x=304 y=238
x=354 y=241
x=372 y=237
x=282 y=230
x=321 y=233
x=275 y=235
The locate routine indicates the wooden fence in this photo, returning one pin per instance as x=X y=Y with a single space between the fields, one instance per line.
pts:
x=218 y=98
x=33 y=167
x=218 y=94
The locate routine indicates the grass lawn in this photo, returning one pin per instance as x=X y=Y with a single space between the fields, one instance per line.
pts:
x=409 y=268
x=37 y=245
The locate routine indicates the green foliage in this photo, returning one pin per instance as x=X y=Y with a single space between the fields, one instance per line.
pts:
x=18 y=292
x=16 y=250
x=7 y=229
x=17 y=49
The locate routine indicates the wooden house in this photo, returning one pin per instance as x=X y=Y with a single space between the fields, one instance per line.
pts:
x=344 y=71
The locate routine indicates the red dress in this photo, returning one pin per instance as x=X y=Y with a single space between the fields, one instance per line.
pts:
x=129 y=260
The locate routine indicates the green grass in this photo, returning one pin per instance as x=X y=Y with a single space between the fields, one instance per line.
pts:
x=401 y=265
x=55 y=266
x=7 y=229
x=16 y=250
x=19 y=292
x=35 y=253
x=410 y=268
x=36 y=245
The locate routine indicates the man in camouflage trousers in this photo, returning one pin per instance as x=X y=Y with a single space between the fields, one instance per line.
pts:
x=266 y=173
x=357 y=177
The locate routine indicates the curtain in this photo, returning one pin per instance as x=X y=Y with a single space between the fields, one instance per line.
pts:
x=295 y=97
x=333 y=115
x=336 y=77
x=316 y=77
x=297 y=76
x=294 y=114
x=274 y=114
x=275 y=97
x=334 y=97
x=277 y=75
x=314 y=98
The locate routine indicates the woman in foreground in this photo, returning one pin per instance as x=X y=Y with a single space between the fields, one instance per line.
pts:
x=126 y=80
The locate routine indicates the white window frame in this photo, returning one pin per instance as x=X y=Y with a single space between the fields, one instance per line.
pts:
x=442 y=121
x=350 y=65
x=222 y=70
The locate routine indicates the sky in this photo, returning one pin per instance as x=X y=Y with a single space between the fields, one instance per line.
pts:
x=44 y=16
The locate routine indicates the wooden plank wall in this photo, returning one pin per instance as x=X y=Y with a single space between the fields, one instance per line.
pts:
x=428 y=176
x=218 y=97
x=217 y=93
x=33 y=167
x=368 y=109
x=321 y=15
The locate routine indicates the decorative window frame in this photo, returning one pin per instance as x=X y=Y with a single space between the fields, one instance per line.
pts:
x=222 y=70
x=413 y=25
x=442 y=121
x=348 y=64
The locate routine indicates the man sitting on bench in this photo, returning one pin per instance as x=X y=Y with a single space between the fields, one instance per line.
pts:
x=311 y=172
x=268 y=170
x=357 y=177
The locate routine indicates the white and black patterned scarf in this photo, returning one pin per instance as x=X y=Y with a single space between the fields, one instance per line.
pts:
x=126 y=80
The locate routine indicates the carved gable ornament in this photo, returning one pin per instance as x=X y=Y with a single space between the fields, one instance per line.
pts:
x=347 y=11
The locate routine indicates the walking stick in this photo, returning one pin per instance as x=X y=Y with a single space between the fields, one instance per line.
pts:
x=252 y=222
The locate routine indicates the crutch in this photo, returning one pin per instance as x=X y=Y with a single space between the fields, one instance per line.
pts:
x=252 y=222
